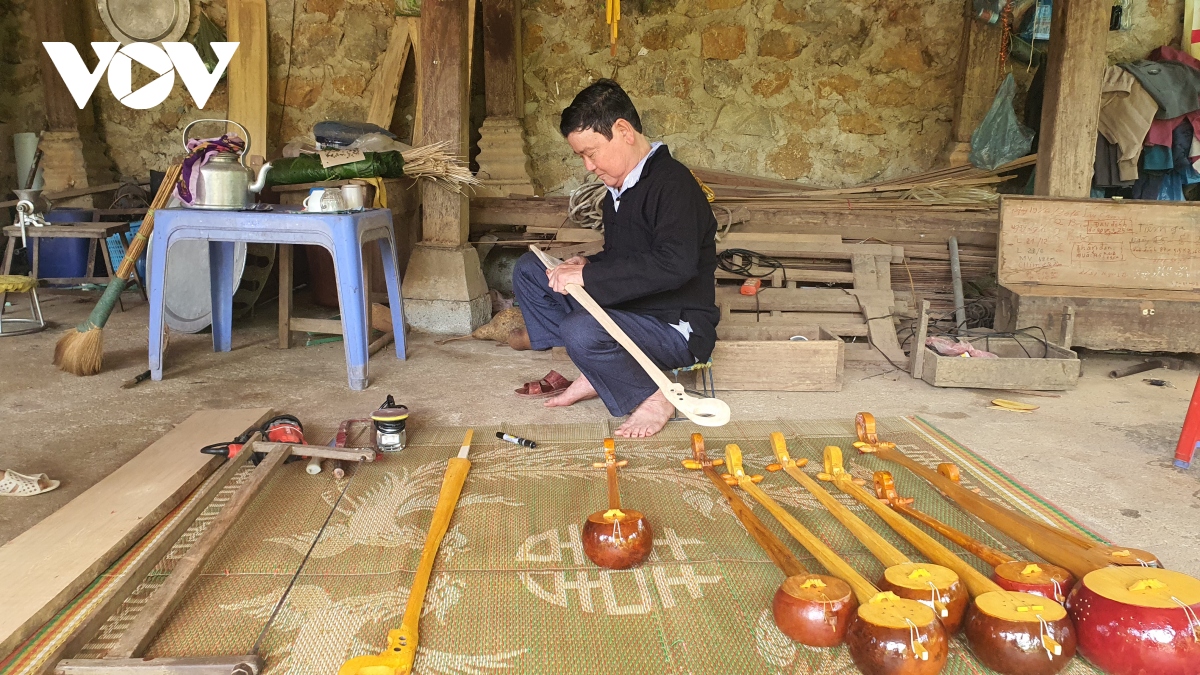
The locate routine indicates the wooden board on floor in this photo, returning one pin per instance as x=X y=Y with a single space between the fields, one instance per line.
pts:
x=1100 y=243
x=247 y=25
x=42 y=569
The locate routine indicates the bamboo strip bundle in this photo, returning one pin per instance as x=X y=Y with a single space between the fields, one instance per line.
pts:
x=962 y=185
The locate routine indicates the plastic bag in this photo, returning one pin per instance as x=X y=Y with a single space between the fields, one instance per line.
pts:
x=307 y=169
x=1000 y=138
x=334 y=134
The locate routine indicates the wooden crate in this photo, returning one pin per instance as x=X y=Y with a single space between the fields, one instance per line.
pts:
x=762 y=358
x=1029 y=364
x=1105 y=318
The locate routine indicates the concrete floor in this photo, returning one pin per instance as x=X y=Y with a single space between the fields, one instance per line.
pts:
x=1101 y=452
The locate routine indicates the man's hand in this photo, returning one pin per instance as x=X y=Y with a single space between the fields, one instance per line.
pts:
x=576 y=260
x=570 y=272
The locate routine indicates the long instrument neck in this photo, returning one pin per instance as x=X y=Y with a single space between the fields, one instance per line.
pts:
x=614 y=495
x=771 y=545
x=976 y=583
x=881 y=548
x=456 y=474
x=1043 y=540
x=982 y=551
x=863 y=589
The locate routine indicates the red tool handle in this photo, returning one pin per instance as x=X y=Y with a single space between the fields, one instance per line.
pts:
x=1189 y=437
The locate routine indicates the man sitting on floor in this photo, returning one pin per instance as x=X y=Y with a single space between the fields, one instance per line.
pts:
x=655 y=276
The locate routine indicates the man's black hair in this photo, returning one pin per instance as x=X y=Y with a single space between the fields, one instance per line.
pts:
x=598 y=107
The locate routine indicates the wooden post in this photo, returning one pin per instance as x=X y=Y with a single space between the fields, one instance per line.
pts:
x=1071 y=103
x=444 y=80
x=63 y=162
x=503 y=163
x=50 y=17
x=978 y=80
x=444 y=289
x=501 y=57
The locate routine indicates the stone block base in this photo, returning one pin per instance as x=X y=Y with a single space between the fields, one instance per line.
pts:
x=447 y=317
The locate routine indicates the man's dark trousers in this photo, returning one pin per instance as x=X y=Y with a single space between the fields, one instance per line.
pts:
x=556 y=320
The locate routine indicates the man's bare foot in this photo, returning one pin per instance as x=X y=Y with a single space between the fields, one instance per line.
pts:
x=518 y=339
x=580 y=390
x=648 y=418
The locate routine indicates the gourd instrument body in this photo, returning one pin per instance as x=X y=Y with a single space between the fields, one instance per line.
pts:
x=889 y=635
x=1011 y=633
x=616 y=539
x=1129 y=620
x=1044 y=579
x=812 y=609
x=933 y=585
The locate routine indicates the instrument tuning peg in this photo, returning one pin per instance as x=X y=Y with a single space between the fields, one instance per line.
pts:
x=690 y=464
x=774 y=467
x=756 y=478
x=622 y=463
x=598 y=465
x=858 y=481
x=729 y=479
x=803 y=461
x=718 y=462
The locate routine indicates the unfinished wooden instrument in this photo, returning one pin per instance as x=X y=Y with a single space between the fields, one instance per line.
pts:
x=889 y=635
x=1044 y=579
x=618 y=538
x=1129 y=620
x=397 y=658
x=1011 y=633
x=812 y=609
x=934 y=585
x=707 y=412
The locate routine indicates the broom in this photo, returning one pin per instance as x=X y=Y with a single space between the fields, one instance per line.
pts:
x=80 y=351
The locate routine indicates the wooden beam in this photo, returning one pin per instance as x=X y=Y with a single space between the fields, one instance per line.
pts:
x=444 y=80
x=978 y=74
x=501 y=35
x=51 y=17
x=166 y=598
x=385 y=87
x=46 y=566
x=1071 y=103
x=247 y=25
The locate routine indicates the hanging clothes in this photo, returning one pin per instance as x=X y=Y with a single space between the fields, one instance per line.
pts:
x=1175 y=86
x=1106 y=171
x=1126 y=114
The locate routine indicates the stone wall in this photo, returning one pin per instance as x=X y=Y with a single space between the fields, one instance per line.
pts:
x=830 y=92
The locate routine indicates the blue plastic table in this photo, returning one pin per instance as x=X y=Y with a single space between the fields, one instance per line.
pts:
x=343 y=234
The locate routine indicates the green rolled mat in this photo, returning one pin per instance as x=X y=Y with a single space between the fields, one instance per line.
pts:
x=307 y=168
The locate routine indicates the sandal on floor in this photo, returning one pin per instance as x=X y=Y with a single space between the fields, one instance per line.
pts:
x=550 y=385
x=13 y=484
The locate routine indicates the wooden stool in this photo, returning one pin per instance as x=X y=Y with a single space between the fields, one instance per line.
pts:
x=11 y=283
x=97 y=232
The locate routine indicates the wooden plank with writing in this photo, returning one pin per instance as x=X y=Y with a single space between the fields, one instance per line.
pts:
x=1099 y=243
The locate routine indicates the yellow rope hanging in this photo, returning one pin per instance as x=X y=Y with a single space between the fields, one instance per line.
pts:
x=612 y=14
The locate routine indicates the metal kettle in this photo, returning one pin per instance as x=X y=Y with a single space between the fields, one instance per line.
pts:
x=224 y=182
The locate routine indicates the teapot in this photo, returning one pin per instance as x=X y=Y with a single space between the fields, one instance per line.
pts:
x=224 y=182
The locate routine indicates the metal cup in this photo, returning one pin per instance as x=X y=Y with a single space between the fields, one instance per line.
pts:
x=354 y=196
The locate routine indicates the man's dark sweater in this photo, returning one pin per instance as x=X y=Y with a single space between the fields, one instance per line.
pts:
x=660 y=253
